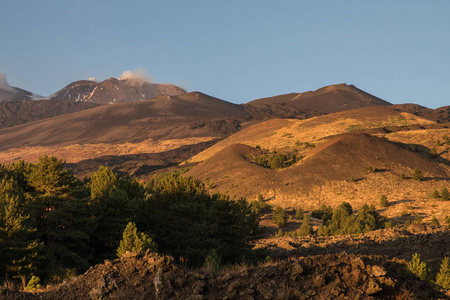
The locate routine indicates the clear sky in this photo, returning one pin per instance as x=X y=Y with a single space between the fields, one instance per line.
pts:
x=234 y=50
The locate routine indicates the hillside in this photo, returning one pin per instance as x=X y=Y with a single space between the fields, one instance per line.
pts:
x=439 y=115
x=114 y=90
x=285 y=133
x=328 y=99
x=137 y=125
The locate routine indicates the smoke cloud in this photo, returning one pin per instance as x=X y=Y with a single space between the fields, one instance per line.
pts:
x=4 y=84
x=92 y=79
x=139 y=74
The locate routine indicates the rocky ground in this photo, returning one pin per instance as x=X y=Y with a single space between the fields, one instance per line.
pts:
x=371 y=266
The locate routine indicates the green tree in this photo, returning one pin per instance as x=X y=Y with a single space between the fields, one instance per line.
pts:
x=444 y=194
x=443 y=277
x=61 y=213
x=19 y=243
x=305 y=228
x=435 y=222
x=279 y=216
x=419 y=268
x=135 y=241
x=417 y=174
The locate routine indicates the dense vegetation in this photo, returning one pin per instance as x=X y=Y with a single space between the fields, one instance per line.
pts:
x=53 y=225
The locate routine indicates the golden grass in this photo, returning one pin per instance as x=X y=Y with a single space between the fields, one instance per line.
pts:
x=284 y=133
x=77 y=152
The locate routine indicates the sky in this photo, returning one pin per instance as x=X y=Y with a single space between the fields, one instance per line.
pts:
x=233 y=50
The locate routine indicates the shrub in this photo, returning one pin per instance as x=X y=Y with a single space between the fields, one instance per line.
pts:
x=419 y=268
x=433 y=152
x=402 y=176
x=279 y=216
x=388 y=224
x=435 y=194
x=443 y=277
x=447 y=220
x=212 y=261
x=417 y=174
x=447 y=140
x=406 y=225
x=435 y=221
x=352 y=179
x=384 y=201
x=299 y=213
x=438 y=142
x=33 y=283
x=279 y=233
x=444 y=194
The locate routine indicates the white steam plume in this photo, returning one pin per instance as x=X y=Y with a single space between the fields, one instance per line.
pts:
x=4 y=84
x=139 y=74
x=92 y=79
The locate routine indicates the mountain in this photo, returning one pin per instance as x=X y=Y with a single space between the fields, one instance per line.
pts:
x=17 y=112
x=8 y=92
x=114 y=90
x=332 y=98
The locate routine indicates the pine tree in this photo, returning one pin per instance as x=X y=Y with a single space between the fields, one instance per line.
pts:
x=417 y=174
x=419 y=268
x=279 y=217
x=444 y=194
x=443 y=277
x=61 y=214
x=19 y=244
x=135 y=241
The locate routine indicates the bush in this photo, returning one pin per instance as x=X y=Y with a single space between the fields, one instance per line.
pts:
x=435 y=221
x=384 y=201
x=402 y=176
x=299 y=213
x=447 y=220
x=433 y=152
x=417 y=174
x=279 y=216
x=33 y=283
x=435 y=194
x=444 y=194
x=212 y=262
x=279 y=233
x=443 y=277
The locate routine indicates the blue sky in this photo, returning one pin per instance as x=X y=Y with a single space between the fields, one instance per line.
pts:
x=234 y=50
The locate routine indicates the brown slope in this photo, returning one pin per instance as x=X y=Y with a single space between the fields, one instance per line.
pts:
x=439 y=115
x=114 y=90
x=160 y=117
x=340 y=158
x=328 y=99
x=16 y=112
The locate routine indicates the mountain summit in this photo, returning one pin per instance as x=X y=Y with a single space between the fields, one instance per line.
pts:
x=8 y=92
x=114 y=90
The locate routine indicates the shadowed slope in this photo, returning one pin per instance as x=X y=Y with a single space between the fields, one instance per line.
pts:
x=160 y=117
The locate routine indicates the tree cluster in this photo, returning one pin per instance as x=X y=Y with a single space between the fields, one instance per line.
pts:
x=53 y=225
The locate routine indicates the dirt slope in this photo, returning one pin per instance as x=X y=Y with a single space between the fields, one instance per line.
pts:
x=17 y=112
